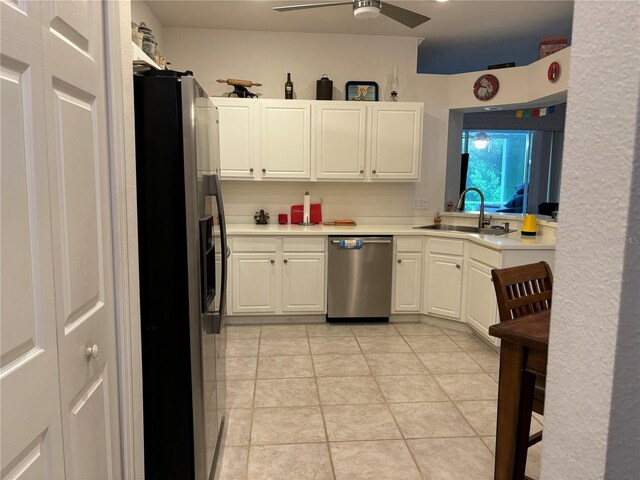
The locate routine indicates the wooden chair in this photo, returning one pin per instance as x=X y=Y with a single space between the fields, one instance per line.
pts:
x=521 y=291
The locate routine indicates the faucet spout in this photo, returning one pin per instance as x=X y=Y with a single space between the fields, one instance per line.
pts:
x=481 y=221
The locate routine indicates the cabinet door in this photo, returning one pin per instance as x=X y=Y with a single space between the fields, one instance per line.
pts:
x=482 y=308
x=286 y=145
x=408 y=286
x=254 y=283
x=236 y=119
x=339 y=141
x=396 y=142
x=444 y=285
x=303 y=282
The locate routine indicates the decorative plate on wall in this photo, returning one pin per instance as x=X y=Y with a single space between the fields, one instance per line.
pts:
x=554 y=72
x=486 y=87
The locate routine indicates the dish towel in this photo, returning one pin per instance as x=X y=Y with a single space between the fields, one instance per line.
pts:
x=353 y=244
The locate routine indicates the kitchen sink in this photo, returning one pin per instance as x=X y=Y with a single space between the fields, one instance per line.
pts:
x=465 y=229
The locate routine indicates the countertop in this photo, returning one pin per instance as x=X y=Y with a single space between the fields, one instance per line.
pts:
x=511 y=241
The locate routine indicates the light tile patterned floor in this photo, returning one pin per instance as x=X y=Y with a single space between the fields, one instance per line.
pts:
x=360 y=402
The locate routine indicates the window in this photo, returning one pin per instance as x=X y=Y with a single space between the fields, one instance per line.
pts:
x=499 y=165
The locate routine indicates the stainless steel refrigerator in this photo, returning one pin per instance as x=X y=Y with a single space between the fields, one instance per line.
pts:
x=183 y=265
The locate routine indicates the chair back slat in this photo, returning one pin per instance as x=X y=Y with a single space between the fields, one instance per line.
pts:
x=522 y=290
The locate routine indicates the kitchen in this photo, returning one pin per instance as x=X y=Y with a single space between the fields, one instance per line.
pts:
x=403 y=195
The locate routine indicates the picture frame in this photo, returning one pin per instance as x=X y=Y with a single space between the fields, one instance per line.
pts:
x=361 y=91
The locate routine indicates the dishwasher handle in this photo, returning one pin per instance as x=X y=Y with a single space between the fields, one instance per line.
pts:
x=367 y=242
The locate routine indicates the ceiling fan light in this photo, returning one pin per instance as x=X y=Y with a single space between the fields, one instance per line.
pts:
x=481 y=141
x=366 y=12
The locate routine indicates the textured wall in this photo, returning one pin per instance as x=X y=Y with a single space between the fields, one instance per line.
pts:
x=595 y=337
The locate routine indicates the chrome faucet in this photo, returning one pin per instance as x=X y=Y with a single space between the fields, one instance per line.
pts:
x=481 y=221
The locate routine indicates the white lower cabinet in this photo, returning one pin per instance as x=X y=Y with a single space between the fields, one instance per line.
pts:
x=407 y=274
x=444 y=277
x=271 y=275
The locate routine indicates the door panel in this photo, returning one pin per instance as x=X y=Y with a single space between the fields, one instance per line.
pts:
x=254 y=283
x=408 y=275
x=31 y=436
x=444 y=286
x=303 y=282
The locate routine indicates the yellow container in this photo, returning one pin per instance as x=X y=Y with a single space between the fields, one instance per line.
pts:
x=529 y=227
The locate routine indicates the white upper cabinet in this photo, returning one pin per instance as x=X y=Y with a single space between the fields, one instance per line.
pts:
x=238 y=151
x=286 y=139
x=396 y=141
x=339 y=134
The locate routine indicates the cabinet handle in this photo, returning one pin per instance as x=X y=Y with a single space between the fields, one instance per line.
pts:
x=264 y=170
x=273 y=261
x=399 y=260
x=457 y=265
x=286 y=261
x=251 y=170
x=361 y=171
x=374 y=171
x=92 y=351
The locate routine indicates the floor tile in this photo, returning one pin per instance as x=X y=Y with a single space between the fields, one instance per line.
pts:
x=453 y=458
x=490 y=442
x=234 y=463
x=431 y=344
x=469 y=386
x=326 y=345
x=454 y=362
x=489 y=361
x=376 y=460
x=284 y=346
x=308 y=461
x=280 y=331
x=240 y=393
x=390 y=344
x=410 y=388
x=433 y=419
x=348 y=390
x=359 y=422
x=239 y=426
x=481 y=414
x=329 y=330
x=384 y=330
x=242 y=348
x=288 y=366
x=241 y=368
x=243 y=331
x=395 y=364
x=469 y=342
x=287 y=425
x=534 y=457
x=289 y=392
x=340 y=365
x=418 y=329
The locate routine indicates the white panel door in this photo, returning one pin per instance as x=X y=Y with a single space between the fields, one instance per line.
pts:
x=254 y=283
x=31 y=433
x=340 y=140
x=444 y=285
x=408 y=282
x=78 y=155
x=396 y=141
x=303 y=282
x=482 y=308
x=286 y=146
x=237 y=136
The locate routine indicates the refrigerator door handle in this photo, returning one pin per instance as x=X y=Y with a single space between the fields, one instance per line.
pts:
x=213 y=320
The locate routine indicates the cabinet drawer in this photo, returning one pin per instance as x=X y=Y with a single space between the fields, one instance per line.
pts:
x=409 y=244
x=304 y=244
x=450 y=247
x=485 y=255
x=254 y=244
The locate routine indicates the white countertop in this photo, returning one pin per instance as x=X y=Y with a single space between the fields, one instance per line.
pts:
x=497 y=242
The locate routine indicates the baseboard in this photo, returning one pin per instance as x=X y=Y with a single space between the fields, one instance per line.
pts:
x=271 y=319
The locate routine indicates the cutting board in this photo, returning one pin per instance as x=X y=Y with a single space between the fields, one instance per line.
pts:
x=315 y=214
x=341 y=223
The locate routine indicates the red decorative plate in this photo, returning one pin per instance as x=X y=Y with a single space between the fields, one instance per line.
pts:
x=486 y=87
x=554 y=72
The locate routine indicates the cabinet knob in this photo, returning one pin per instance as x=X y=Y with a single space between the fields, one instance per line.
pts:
x=286 y=261
x=273 y=261
x=361 y=171
x=399 y=260
x=251 y=170
x=92 y=351
x=264 y=170
x=374 y=171
x=457 y=265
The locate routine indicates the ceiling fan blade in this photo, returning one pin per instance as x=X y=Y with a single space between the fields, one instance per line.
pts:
x=289 y=8
x=402 y=15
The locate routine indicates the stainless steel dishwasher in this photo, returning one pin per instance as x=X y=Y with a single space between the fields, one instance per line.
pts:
x=359 y=284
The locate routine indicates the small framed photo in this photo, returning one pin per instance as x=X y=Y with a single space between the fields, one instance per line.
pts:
x=362 y=91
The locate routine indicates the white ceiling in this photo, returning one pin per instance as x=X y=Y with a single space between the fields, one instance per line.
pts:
x=457 y=20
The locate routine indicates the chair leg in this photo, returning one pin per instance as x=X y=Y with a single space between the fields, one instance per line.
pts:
x=524 y=424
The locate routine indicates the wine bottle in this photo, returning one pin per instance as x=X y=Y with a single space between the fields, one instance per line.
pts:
x=288 y=88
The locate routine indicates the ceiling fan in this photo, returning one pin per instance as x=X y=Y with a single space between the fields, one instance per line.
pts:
x=368 y=9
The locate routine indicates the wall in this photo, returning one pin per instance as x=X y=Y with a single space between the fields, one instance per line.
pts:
x=140 y=12
x=592 y=420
